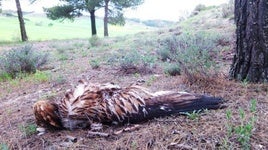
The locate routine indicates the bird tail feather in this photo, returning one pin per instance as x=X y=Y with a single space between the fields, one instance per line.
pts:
x=181 y=102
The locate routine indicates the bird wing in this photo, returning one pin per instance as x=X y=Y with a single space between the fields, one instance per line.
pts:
x=121 y=105
x=135 y=104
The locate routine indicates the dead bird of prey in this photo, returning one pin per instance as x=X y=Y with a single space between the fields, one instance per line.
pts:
x=91 y=103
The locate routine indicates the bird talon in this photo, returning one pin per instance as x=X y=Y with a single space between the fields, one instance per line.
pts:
x=41 y=131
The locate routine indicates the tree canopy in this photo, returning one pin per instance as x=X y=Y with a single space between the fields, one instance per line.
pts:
x=113 y=10
x=74 y=8
x=115 y=14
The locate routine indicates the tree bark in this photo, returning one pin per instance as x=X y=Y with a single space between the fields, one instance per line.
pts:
x=22 y=25
x=105 y=19
x=0 y=6
x=250 y=61
x=93 y=22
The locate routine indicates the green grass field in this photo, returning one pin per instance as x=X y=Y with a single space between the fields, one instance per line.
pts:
x=40 y=28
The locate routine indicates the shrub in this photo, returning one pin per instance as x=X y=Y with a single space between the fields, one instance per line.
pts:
x=4 y=146
x=200 y=7
x=41 y=76
x=4 y=76
x=197 y=9
x=95 y=63
x=134 y=62
x=39 y=23
x=60 y=79
x=129 y=61
x=173 y=69
x=165 y=55
x=94 y=41
x=228 y=9
x=192 y=51
x=22 y=60
x=63 y=57
x=169 y=49
x=244 y=129
x=157 y=23
x=50 y=24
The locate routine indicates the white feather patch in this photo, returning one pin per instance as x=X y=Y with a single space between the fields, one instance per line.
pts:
x=79 y=90
x=162 y=93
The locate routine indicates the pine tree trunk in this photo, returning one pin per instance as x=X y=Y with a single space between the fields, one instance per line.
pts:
x=22 y=25
x=0 y=6
x=105 y=19
x=93 y=22
x=251 y=53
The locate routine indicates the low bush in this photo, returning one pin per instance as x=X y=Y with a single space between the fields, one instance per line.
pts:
x=134 y=62
x=4 y=146
x=4 y=76
x=95 y=63
x=200 y=7
x=228 y=9
x=94 y=41
x=193 y=52
x=172 y=69
x=241 y=129
x=21 y=60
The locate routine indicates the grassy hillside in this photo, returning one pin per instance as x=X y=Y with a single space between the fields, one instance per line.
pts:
x=193 y=55
x=40 y=28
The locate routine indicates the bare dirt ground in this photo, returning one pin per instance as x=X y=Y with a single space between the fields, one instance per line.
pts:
x=208 y=131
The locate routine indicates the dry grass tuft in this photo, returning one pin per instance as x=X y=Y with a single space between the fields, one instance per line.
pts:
x=220 y=85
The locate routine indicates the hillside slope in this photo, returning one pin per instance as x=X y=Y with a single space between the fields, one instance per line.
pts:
x=40 y=28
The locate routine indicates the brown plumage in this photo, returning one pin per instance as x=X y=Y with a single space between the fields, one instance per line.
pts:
x=108 y=103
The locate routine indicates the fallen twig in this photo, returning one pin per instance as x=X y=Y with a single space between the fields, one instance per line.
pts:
x=165 y=120
x=179 y=146
x=128 y=129
x=71 y=139
x=102 y=134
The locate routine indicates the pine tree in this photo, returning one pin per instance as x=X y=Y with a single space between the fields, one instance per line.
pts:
x=250 y=62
